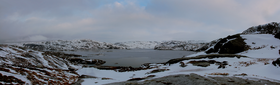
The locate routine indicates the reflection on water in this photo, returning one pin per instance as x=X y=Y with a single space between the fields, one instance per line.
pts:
x=134 y=58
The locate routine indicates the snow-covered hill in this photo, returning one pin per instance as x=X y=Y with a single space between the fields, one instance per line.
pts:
x=25 y=66
x=270 y=28
x=138 y=44
x=191 y=45
x=84 y=44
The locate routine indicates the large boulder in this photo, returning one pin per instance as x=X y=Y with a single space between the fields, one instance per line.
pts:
x=229 y=45
x=276 y=62
x=277 y=35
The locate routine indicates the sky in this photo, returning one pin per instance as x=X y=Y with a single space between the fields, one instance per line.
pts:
x=131 y=20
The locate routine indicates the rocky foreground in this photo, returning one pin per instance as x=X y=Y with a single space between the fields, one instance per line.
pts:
x=194 y=79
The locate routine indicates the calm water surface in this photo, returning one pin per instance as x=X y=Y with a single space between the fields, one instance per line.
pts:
x=134 y=57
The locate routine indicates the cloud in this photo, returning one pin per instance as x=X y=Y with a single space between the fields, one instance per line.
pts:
x=128 y=20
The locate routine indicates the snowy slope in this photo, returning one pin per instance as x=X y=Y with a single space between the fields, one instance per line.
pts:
x=262 y=46
x=23 y=66
x=138 y=44
x=256 y=66
x=191 y=45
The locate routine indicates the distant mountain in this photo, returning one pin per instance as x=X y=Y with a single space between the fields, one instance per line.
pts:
x=191 y=45
x=84 y=44
x=138 y=44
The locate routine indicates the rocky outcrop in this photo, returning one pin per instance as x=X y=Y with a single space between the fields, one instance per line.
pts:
x=276 y=62
x=270 y=28
x=277 y=35
x=30 y=67
x=183 y=45
x=86 y=61
x=195 y=79
x=229 y=45
x=34 y=46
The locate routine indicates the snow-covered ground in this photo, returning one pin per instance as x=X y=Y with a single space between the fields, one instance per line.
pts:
x=30 y=66
x=256 y=65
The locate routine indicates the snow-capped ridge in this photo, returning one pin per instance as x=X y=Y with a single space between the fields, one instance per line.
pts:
x=138 y=44
x=191 y=45
x=270 y=28
x=84 y=44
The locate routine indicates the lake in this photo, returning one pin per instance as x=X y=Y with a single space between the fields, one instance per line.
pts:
x=134 y=57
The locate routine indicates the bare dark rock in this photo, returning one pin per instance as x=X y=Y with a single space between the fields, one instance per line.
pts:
x=86 y=61
x=158 y=70
x=87 y=76
x=276 y=62
x=229 y=45
x=34 y=46
x=277 y=35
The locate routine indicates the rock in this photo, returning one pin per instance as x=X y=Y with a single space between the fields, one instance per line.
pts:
x=183 y=64
x=277 y=35
x=202 y=63
x=136 y=79
x=229 y=45
x=276 y=62
x=158 y=70
x=34 y=46
x=87 y=76
x=86 y=61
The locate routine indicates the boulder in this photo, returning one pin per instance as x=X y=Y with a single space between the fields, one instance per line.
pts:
x=229 y=45
x=276 y=62
x=277 y=35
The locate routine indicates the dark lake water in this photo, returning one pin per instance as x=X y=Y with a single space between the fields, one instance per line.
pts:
x=134 y=57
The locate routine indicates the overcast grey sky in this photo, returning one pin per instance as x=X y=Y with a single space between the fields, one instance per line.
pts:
x=131 y=20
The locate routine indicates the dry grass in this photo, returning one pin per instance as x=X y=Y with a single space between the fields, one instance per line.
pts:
x=247 y=63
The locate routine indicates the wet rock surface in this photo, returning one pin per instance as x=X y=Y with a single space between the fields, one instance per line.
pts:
x=194 y=79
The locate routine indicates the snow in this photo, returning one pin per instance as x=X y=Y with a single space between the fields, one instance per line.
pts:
x=257 y=70
x=265 y=41
x=264 y=48
x=138 y=44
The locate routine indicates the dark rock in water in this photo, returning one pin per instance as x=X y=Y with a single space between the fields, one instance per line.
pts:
x=229 y=45
x=276 y=62
x=277 y=35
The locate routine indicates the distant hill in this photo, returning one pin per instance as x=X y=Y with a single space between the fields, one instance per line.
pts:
x=269 y=28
